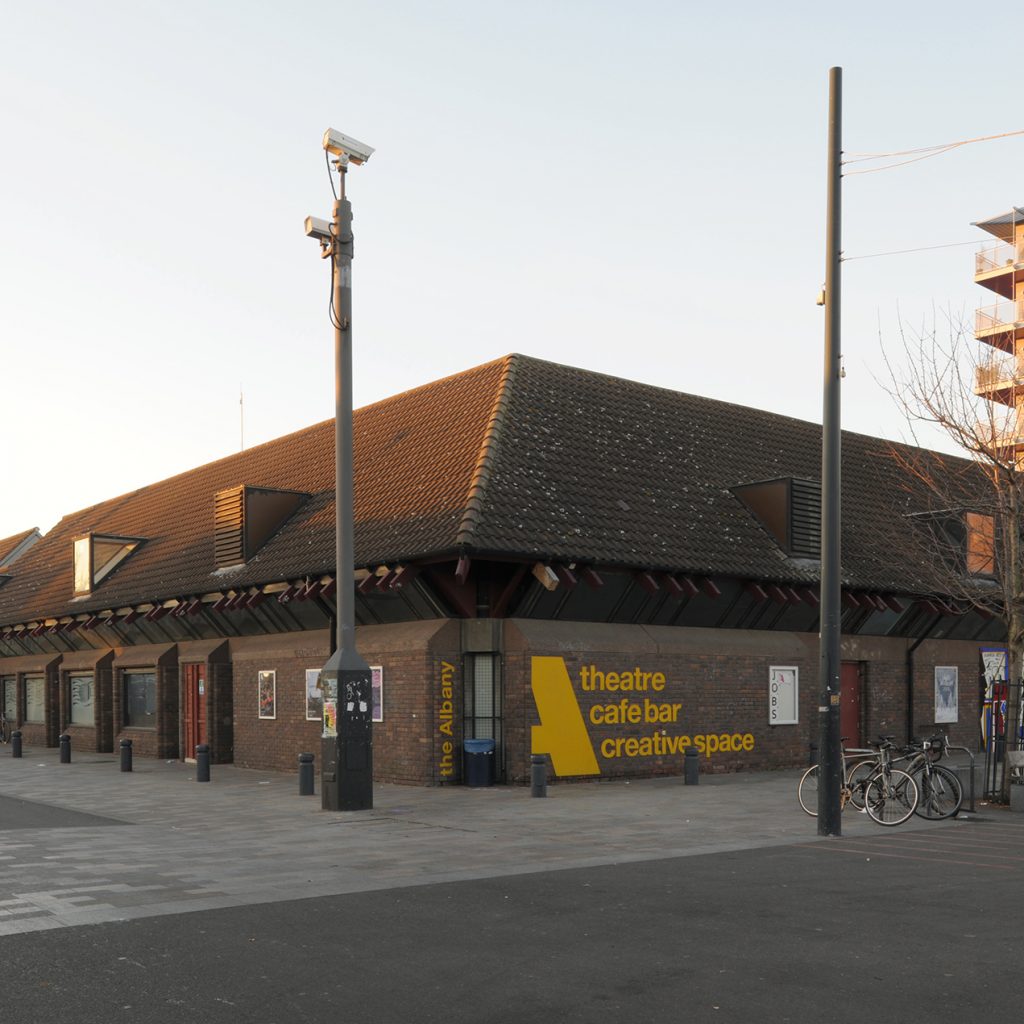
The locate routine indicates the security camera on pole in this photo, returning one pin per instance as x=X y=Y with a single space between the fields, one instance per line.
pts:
x=346 y=760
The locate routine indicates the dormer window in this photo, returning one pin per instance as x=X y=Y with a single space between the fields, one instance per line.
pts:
x=97 y=556
x=981 y=544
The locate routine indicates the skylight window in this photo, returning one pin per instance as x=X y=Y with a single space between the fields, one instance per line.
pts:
x=97 y=556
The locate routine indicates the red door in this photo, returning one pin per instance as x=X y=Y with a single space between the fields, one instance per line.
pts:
x=849 y=708
x=195 y=708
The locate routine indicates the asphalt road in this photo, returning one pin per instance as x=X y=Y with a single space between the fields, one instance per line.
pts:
x=892 y=926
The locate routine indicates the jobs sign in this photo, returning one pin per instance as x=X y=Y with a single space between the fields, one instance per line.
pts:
x=783 y=695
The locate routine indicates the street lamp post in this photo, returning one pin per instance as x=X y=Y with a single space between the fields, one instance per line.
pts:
x=829 y=740
x=346 y=749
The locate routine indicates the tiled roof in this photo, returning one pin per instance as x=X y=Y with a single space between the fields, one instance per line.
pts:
x=598 y=469
x=518 y=457
x=415 y=458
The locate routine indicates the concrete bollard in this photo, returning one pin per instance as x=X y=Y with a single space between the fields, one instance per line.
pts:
x=202 y=762
x=126 y=755
x=306 y=786
x=65 y=749
x=538 y=775
x=691 y=767
x=16 y=743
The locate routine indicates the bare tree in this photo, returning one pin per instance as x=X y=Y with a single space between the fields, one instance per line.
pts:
x=971 y=532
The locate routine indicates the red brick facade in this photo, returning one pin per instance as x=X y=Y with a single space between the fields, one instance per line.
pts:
x=641 y=694
x=406 y=742
x=716 y=685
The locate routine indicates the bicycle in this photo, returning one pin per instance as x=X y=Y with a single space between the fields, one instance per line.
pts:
x=888 y=795
x=5 y=728
x=891 y=795
x=941 y=793
x=851 y=788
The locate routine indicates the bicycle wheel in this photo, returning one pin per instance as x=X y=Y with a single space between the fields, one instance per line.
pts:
x=807 y=791
x=891 y=797
x=858 y=778
x=940 y=793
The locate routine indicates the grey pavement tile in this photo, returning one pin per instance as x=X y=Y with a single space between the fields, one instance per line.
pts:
x=247 y=837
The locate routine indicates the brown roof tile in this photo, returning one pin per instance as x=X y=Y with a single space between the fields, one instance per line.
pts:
x=518 y=457
x=415 y=458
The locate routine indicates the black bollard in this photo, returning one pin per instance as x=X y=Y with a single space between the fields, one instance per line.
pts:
x=202 y=762
x=16 y=743
x=126 y=755
x=538 y=775
x=306 y=775
x=65 y=749
x=691 y=767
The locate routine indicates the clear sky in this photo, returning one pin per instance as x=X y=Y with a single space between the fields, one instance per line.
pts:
x=635 y=188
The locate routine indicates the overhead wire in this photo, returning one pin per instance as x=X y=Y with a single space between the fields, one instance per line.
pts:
x=330 y=177
x=901 y=252
x=861 y=157
x=335 y=322
x=922 y=153
x=331 y=312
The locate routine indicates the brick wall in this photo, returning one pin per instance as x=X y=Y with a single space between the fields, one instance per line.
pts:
x=716 y=685
x=162 y=741
x=220 y=712
x=97 y=737
x=15 y=671
x=404 y=743
x=47 y=732
x=966 y=730
x=275 y=743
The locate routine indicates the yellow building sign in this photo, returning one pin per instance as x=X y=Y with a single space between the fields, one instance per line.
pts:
x=637 y=700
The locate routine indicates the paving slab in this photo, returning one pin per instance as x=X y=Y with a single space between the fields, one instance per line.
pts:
x=86 y=843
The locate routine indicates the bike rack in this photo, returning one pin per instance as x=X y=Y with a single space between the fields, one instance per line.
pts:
x=970 y=754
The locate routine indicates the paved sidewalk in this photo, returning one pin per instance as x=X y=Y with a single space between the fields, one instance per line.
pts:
x=85 y=843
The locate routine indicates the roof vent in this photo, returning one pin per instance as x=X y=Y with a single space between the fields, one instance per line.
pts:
x=790 y=510
x=245 y=518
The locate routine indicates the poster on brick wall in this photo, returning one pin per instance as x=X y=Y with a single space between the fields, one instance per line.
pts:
x=946 y=694
x=783 y=695
x=314 y=696
x=377 y=683
x=267 y=690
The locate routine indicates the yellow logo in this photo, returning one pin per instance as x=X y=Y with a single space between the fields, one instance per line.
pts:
x=562 y=733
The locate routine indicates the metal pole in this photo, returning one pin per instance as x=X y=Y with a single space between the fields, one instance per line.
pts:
x=829 y=745
x=347 y=748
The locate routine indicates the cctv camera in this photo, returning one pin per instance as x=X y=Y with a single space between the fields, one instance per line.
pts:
x=318 y=229
x=343 y=146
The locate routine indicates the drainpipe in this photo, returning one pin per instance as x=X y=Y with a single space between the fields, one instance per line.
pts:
x=910 y=675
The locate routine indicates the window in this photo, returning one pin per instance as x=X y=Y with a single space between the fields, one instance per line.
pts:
x=96 y=557
x=482 y=699
x=140 y=700
x=10 y=696
x=35 y=700
x=981 y=547
x=82 y=709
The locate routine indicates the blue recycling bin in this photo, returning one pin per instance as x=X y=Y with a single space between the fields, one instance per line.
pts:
x=478 y=762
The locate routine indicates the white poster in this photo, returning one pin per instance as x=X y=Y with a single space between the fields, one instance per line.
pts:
x=783 y=695
x=947 y=697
